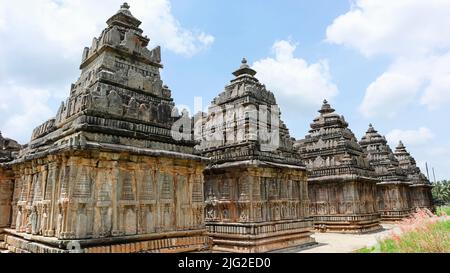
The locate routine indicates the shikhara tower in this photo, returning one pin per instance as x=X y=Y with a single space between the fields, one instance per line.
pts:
x=341 y=183
x=420 y=190
x=105 y=173
x=255 y=185
x=394 y=202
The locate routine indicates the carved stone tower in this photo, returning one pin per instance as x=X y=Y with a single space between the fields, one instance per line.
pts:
x=255 y=186
x=341 y=183
x=393 y=187
x=420 y=190
x=105 y=174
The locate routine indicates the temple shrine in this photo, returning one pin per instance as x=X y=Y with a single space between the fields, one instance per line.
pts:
x=105 y=174
x=394 y=201
x=420 y=188
x=255 y=184
x=341 y=182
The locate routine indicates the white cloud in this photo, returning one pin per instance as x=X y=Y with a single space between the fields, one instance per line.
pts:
x=22 y=109
x=410 y=137
x=71 y=24
x=394 y=27
x=295 y=83
x=388 y=94
x=410 y=32
x=42 y=43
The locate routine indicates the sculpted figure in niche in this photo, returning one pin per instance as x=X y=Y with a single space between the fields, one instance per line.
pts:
x=144 y=112
x=133 y=108
x=34 y=221
x=19 y=219
x=115 y=103
x=135 y=79
x=97 y=101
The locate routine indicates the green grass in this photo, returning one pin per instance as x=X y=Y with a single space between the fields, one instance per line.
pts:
x=434 y=238
x=441 y=209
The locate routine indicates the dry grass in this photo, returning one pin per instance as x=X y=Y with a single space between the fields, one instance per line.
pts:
x=422 y=233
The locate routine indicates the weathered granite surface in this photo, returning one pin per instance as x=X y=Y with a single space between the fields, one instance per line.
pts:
x=420 y=189
x=255 y=185
x=9 y=149
x=341 y=182
x=394 y=202
x=105 y=173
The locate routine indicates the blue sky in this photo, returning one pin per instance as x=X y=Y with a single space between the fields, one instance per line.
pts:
x=380 y=62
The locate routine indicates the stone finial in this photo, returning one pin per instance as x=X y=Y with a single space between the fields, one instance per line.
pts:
x=244 y=69
x=125 y=6
x=326 y=108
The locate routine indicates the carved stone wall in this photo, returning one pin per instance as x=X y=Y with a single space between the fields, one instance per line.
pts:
x=257 y=208
x=89 y=197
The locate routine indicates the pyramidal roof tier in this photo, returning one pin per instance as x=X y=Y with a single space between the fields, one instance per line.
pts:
x=123 y=35
x=230 y=117
x=119 y=101
x=331 y=149
x=408 y=164
x=381 y=157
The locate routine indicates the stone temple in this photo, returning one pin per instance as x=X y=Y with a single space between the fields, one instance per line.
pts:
x=119 y=170
x=420 y=189
x=105 y=174
x=341 y=182
x=257 y=193
x=394 y=201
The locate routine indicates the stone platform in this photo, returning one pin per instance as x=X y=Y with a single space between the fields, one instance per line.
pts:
x=348 y=223
x=169 y=242
x=260 y=237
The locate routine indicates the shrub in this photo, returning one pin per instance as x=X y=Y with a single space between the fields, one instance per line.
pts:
x=421 y=233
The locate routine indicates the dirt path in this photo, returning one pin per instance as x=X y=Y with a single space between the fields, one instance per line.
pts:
x=341 y=243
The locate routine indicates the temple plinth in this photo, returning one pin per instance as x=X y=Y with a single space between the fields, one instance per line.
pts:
x=255 y=185
x=341 y=183
x=394 y=202
x=420 y=188
x=105 y=174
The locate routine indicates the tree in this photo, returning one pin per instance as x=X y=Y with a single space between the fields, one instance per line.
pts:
x=441 y=192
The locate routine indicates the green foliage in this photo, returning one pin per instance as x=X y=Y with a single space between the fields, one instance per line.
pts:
x=443 y=210
x=441 y=192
